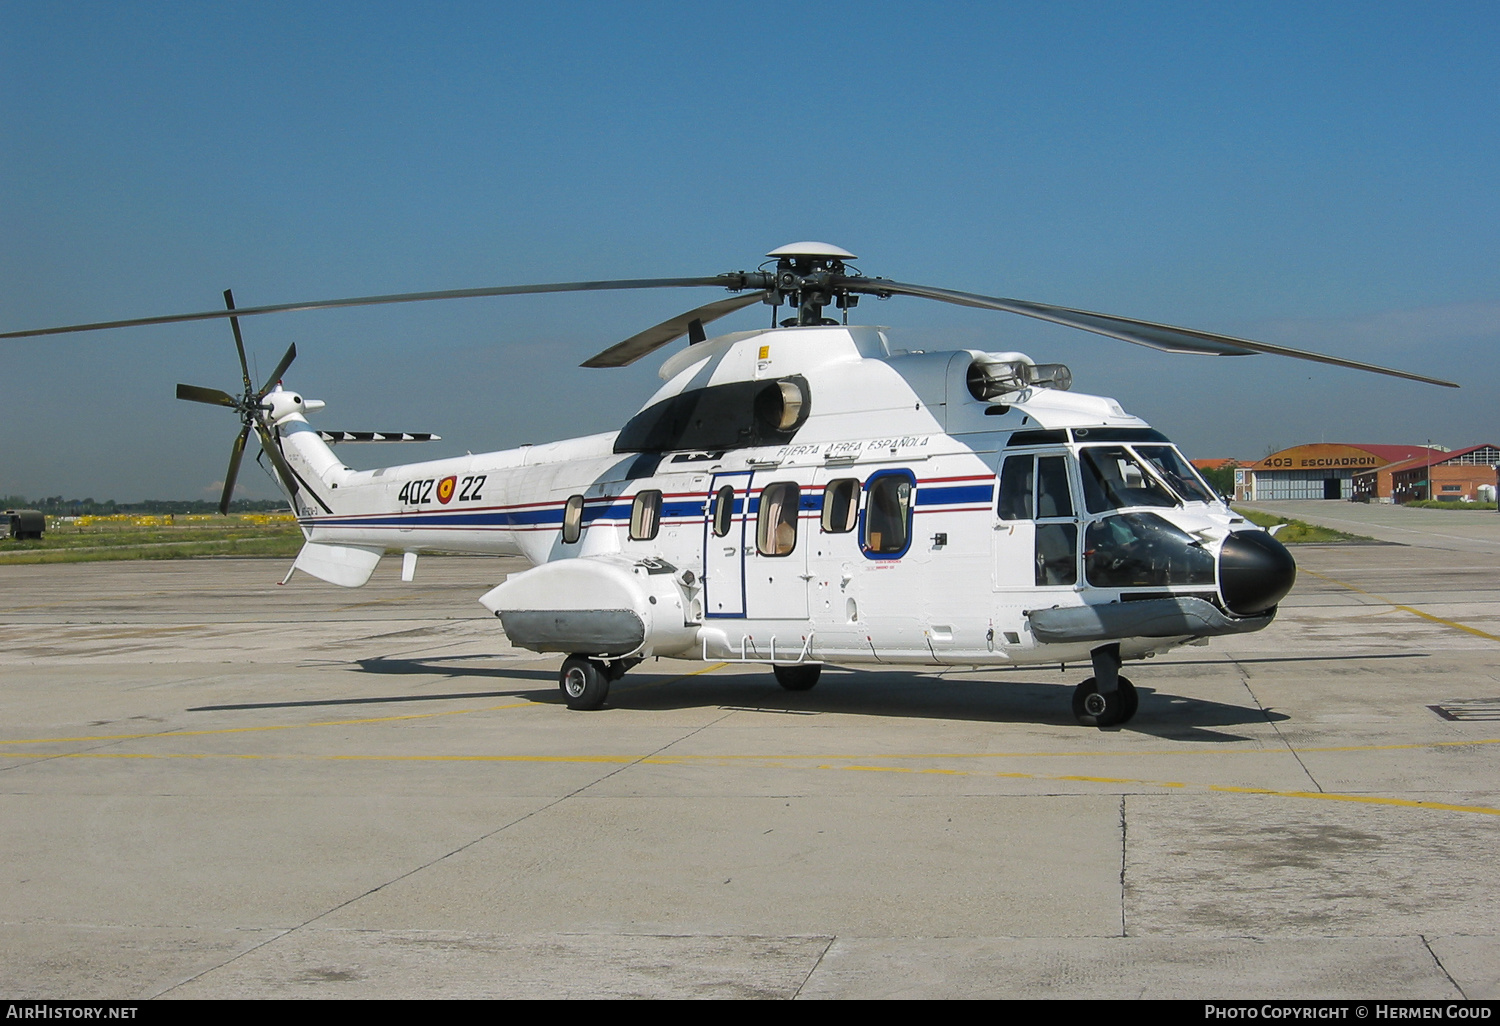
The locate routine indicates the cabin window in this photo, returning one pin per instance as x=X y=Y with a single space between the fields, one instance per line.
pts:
x=723 y=511
x=645 y=515
x=572 y=526
x=888 y=513
x=776 y=528
x=841 y=506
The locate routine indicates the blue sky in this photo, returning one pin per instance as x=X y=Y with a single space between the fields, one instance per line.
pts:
x=1319 y=175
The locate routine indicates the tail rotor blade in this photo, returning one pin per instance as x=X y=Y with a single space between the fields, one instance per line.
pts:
x=239 y=342
x=286 y=361
x=233 y=472
x=198 y=394
x=283 y=469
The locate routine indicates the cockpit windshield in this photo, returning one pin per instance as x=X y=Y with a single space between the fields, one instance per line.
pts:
x=1113 y=478
x=1120 y=477
x=1177 y=472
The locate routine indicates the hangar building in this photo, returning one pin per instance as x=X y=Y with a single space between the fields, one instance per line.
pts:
x=1463 y=475
x=1325 y=470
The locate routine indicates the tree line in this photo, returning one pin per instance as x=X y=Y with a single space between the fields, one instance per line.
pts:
x=56 y=505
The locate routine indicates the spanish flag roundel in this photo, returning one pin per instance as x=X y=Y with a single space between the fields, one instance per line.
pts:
x=445 y=489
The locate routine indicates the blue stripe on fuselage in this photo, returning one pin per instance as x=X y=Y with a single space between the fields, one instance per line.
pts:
x=960 y=494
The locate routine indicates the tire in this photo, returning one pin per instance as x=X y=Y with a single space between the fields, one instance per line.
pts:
x=584 y=682
x=1092 y=709
x=798 y=678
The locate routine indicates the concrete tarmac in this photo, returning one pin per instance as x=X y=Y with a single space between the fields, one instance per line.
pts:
x=1457 y=529
x=212 y=786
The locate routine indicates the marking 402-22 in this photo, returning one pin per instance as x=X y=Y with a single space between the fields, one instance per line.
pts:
x=468 y=489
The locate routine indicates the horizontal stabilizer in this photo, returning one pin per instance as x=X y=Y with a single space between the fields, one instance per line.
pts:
x=348 y=566
x=378 y=436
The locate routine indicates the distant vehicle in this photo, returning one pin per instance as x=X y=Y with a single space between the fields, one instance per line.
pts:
x=25 y=524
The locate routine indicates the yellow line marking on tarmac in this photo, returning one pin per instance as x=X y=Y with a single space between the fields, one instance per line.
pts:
x=788 y=758
x=1406 y=803
x=668 y=760
x=1361 y=798
x=1405 y=609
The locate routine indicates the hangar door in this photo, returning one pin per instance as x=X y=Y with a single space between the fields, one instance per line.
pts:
x=1304 y=484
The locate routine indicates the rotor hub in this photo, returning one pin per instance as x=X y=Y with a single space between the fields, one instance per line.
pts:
x=807 y=276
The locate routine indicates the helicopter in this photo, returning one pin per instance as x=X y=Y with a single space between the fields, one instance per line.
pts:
x=807 y=494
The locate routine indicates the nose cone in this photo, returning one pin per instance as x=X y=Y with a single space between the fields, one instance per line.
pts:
x=1255 y=572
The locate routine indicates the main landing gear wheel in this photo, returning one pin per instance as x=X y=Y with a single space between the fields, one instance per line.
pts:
x=1093 y=709
x=584 y=682
x=798 y=678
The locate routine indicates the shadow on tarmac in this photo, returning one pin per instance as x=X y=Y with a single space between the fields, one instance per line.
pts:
x=888 y=693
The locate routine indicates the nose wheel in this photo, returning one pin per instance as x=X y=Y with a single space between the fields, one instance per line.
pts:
x=1094 y=708
x=584 y=682
x=1106 y=699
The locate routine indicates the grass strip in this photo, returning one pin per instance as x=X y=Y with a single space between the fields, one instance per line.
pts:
x=1299 y=532
x=113 y=541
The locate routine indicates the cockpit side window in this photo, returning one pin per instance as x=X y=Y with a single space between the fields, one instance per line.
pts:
x=1015 y=488
x=1141 y=550
x=1053 y=499
x=1115 y=479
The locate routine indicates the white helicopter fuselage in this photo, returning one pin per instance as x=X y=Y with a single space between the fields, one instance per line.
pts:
x=873 y=511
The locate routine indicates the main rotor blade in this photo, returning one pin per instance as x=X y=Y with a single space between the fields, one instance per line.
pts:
x=1144 y=333
x=234 y=469
x=286 y=361
x=239 y=342
x=198 y=394
x=636 y=346
x=734 y=280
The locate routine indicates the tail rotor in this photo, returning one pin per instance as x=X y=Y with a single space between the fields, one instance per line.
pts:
x=250 y=407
